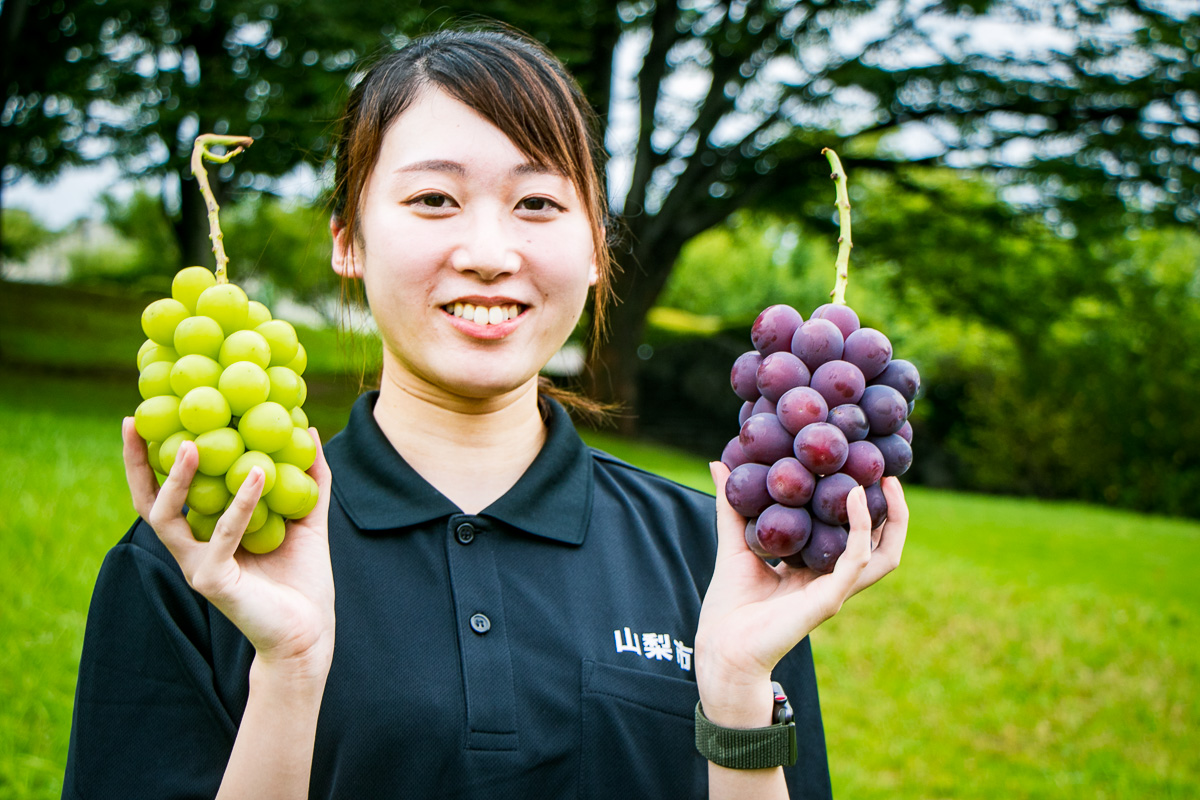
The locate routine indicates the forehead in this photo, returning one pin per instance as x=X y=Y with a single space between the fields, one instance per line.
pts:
x=440 y=133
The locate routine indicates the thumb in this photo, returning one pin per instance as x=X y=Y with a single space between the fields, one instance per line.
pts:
x=731 y=526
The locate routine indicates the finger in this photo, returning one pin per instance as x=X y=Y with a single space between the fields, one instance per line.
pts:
x=143 y=486
x=230 y=528
x=731 y=526
x=857 y=555
x=166 y=514
x=895 y=530
x=321 y=474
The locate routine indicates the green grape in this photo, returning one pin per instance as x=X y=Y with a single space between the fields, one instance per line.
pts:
x=291 y=490
x=157 y=418
x=199 y=335
x=285 y=386
x=152 y=449
x=282 y=338
x=300 y=362
x=266 y=538
x=300 y=450
x=257 y=314
x=257 y=517
x=245 y=346
x=155 y=379
x=203 y=409
x=227 y=304
x=244 y=385
x=303 y=390
x=237 y=474
x=299 y=418
x=203 y=525
x=156 y=352
x=218 y=449
x=266 y=427
x=160 y=318
x=170 y=449
x=146 y=345
x=311 y=502
x=208 y=494
x=189 y=283
x=192 y=371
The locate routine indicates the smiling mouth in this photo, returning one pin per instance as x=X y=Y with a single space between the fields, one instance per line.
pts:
x=484 y=315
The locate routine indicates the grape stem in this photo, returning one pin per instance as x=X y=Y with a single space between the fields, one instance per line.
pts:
x=200 y=152
x=842 y=265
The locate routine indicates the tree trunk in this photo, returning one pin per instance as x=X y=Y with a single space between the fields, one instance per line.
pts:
x=613 y=369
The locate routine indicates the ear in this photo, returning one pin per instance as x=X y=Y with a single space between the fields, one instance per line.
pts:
x=594 y=270
x=345 y=257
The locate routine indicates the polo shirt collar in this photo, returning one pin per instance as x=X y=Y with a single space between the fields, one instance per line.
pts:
x=381 y=493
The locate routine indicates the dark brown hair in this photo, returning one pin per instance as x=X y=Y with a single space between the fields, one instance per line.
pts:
x=519 y=86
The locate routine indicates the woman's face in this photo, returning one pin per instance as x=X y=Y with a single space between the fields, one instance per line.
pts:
x=476 y=262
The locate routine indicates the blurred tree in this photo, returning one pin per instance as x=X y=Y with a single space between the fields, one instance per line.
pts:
x=24 y=234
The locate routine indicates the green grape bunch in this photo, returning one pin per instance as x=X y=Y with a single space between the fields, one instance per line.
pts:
x=216 y=369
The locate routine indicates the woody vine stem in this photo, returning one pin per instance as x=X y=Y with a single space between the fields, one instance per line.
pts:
x=842 y=265
x=200 y=152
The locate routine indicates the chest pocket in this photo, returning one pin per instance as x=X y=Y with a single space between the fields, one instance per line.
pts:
x=638 y=737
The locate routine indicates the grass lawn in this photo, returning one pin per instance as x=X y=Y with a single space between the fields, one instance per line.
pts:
x=1023 y=649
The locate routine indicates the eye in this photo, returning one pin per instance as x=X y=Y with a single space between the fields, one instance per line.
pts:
x=538 y=204
x=432 y=201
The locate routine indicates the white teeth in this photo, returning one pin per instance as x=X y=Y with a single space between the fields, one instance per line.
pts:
x=484 y=315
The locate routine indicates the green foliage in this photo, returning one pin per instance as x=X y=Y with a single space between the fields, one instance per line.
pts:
x=748 y=262
x=284 y=244
x=22 y=234
x=138 y=245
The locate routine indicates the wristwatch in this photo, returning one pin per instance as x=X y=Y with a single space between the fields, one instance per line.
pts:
x=750 y=748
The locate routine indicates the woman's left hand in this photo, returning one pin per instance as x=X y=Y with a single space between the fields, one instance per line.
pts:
x=753 y=613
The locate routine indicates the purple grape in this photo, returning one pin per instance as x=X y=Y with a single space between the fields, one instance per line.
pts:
x=744 y=413
x=840 y=315
x=825 y=544
x=885 y=409
x=876 y=505
x=746 y=490
x=764 y=439
x=897 y=454
x=864 y=463
x=800 y=407
x=829 y=498
x=816 y=342
x=744 y=376
x=782 y=531
x=774 y=328
x=905 y=432
x=733 y=456
x=779 y=372
x=851 y=420
x=761 y=406
x=838 y=382
x=752 y=539
x=902 y=376
x=789 y=483
x=911 y=405
x=821 y=448
x=869 y=350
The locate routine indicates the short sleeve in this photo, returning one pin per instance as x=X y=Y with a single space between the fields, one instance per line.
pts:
x=149 y=720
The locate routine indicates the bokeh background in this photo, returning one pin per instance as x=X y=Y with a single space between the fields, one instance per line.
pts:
x=1025 y=181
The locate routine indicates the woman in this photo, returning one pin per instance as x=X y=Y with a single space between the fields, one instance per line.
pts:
x=516 y=615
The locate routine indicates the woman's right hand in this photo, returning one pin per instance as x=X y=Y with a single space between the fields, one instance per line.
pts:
x=281 y=601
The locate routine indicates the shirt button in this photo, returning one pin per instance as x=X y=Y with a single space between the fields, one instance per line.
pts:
x=465 y=533
x=480 y=624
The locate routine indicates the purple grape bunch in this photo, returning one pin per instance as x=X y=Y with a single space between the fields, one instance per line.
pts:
x=826 y=409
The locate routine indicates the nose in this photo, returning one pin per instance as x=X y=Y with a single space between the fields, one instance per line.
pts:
x=487 y=250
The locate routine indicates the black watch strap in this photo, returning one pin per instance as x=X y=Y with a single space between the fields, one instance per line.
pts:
x=750 y=748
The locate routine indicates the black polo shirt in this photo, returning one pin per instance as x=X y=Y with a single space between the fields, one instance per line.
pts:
x=540 y=648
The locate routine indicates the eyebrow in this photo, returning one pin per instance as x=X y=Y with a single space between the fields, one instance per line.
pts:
x=455 y=168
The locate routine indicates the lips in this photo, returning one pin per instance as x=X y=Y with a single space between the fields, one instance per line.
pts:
x=482 y=314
